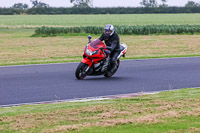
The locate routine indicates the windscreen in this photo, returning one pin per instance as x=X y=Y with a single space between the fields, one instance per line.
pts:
x=96 y=44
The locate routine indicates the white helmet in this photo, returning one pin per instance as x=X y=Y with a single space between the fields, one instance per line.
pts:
x=109 y=27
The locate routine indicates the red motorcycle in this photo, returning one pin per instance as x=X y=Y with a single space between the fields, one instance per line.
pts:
x=94 y=58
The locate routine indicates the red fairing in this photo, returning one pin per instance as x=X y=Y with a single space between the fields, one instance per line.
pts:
x=124 y=51
x=98 y=55
x=87 y=61
x=94 y=46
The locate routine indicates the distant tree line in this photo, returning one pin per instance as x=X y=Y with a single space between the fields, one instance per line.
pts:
x=85 y=7
x=138 y=10
x=35 y=3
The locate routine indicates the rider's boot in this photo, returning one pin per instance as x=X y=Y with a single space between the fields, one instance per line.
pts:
x=105 y=65
x=113 y=66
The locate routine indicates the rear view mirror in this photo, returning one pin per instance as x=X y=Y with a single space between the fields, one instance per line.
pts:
x=89 y=38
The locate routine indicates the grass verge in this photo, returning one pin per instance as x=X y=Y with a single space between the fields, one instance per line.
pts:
x=79 y=58
x=171 y=111
x=17 y=47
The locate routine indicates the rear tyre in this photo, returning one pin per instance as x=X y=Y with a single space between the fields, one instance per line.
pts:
x=81 y=71
x=109 y=74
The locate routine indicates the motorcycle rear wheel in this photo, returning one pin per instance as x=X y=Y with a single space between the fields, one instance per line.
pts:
x=109 y=74
x=80 y=71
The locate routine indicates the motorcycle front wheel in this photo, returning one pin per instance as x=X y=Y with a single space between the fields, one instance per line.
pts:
x=81 y=71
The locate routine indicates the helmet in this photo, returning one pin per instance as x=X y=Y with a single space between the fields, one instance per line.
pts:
x=109 y=27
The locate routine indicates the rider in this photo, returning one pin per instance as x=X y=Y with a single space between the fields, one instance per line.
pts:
x=112 y=42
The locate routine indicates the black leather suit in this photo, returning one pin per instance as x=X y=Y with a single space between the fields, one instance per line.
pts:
x=113 y=43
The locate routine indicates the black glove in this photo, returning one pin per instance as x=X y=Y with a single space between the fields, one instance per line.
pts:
x=107 y=51
x=108 y=47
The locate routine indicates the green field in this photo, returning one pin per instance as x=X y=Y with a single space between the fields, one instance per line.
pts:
x=166 y=112
x=17 y=47
x=31 y=21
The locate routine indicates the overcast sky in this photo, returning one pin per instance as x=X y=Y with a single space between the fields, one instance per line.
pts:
x=96 y=3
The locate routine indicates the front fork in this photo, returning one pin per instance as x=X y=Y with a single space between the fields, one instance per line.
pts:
x=89 y=62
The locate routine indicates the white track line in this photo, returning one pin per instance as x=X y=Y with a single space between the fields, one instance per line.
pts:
x=98 y=98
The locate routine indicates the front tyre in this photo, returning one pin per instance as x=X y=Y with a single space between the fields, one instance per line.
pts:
x=109 y=74
x=81 y=71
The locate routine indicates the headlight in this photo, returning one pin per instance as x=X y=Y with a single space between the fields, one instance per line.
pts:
x=88 y=52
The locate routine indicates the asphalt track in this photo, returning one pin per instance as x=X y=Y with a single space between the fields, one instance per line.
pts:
x=37 y=83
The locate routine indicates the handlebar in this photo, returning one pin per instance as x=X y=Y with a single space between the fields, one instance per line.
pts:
x=105 y=51
x=108 y=47
x=102 y=48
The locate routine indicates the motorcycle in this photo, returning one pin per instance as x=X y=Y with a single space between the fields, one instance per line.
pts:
x=94 y=58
